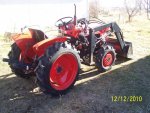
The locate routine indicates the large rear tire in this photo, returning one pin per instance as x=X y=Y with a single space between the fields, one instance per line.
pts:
x=14 y=55
x=58 y=70
x=105 y=58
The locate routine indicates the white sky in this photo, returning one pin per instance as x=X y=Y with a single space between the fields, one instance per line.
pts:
x=17 y=13
x=111 y=3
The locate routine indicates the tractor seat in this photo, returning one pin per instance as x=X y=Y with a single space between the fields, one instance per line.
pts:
x=38 y=35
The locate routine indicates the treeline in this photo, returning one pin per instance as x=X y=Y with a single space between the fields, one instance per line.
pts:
x=131 y=7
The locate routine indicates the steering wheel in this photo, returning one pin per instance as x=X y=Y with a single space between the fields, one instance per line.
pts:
x=63 y=21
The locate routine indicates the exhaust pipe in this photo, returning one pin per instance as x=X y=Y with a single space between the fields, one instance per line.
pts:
x=75 y=15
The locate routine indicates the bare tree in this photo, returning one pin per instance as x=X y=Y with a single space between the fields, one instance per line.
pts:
x=131 y=9
x=94 y=9
x=139 y=4
x=146 y=4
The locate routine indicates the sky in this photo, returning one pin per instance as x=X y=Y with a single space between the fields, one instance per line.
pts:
x=19 y=13
x=37 y=1
x=111 y=3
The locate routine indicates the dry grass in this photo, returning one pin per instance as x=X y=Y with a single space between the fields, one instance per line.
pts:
x=93 y=90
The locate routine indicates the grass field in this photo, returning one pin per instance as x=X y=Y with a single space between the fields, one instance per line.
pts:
x=93 y=91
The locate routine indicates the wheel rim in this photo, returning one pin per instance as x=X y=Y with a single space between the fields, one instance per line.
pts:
x=63 y=71
x=108 y=59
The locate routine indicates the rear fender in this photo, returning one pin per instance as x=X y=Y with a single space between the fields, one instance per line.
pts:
x=41 y=46
x=25 y=43
x=22 y=40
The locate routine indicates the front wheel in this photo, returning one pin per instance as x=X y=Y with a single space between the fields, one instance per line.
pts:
x=58 y=71
x=105 y=58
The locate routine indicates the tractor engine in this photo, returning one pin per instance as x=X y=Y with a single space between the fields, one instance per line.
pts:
x=83 y=47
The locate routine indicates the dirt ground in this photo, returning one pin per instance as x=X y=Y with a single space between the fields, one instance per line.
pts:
x=93 y=91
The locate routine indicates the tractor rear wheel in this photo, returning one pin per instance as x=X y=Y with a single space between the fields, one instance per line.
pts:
x=57 y=70
x=14 y=55
x=105 y=58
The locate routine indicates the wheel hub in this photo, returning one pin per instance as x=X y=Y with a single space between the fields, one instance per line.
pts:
x=59 y=69
x=108 y=59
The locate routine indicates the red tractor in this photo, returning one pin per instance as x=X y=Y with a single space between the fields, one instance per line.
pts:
x=56 y=61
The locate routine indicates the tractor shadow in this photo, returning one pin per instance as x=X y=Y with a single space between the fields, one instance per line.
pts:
x=120 y=59
x=90 y=96
x=93 y=71
x=6 y=75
